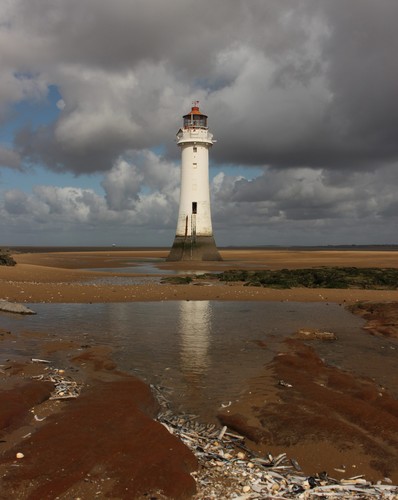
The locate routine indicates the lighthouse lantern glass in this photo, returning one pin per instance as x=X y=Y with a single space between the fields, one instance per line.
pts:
x=195 y=121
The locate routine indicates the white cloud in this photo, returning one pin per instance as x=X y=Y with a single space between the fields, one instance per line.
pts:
x=122 y=186
x=279 y=207
x=140 y=191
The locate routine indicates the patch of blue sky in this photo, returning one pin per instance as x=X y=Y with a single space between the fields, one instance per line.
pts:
x=32 y=113
x=145 y=190
x=35 y=113
x=159 y=150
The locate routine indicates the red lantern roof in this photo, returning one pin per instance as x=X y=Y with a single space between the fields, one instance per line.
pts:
x=195 y=110
x=195 y=119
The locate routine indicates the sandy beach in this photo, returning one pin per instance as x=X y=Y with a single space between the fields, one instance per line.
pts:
x=111 y=444
x=60 y=276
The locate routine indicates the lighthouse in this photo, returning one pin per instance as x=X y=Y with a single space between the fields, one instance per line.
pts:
x=194 y=236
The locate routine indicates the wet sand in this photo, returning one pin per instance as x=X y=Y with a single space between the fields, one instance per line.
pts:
x=327 y=419
x=106 y=440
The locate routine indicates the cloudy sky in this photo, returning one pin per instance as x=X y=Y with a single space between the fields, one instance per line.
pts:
x=302 y=97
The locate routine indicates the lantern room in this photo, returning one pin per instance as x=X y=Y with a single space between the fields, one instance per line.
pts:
x=195 y=119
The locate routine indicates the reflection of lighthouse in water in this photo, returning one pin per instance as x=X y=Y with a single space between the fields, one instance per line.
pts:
x=194 y=327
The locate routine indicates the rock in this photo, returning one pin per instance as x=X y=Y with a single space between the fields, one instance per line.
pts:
x=12 y=307
x=19 y=455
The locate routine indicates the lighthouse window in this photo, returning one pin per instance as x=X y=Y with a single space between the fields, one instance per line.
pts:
x=194 y=207
x=199 y=120
x=195 y=149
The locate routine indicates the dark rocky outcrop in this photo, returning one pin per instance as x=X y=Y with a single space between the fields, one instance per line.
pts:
x=6 y=258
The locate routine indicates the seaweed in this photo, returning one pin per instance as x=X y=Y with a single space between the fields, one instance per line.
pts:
x=321 y=277
x=177 y=280
x=6 y=258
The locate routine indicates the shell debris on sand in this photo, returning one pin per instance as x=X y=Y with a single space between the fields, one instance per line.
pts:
x=229 y=470
x=314 y=334
x=64 y=386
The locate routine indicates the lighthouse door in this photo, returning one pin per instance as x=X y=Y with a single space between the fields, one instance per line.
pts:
x=193 y=220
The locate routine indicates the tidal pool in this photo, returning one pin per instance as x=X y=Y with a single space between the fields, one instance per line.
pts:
x=206 y=352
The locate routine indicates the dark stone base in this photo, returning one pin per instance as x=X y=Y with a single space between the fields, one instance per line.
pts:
x=187 y=248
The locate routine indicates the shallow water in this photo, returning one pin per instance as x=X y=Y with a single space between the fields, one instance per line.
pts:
x=135 y=268
x=122 y=280
x=143 y=271
x=148 y=266
x=206 y=352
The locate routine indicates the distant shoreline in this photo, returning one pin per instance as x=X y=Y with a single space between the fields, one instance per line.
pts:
x=104 y=248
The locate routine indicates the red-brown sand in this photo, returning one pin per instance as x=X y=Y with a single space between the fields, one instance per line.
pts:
x=105 y=442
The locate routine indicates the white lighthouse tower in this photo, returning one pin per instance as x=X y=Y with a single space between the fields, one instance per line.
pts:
x=194 y=236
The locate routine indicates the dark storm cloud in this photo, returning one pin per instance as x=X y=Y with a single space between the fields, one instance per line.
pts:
x=118 y=35
x=363 y=71
x=293 y=83
x=40 y=146
x=329 y=104
x=143 y=60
